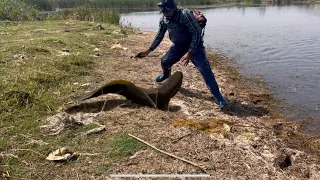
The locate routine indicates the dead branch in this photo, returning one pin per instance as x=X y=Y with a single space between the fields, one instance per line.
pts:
x=171 y=155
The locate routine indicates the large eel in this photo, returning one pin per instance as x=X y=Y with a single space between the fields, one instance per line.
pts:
x=153 y=97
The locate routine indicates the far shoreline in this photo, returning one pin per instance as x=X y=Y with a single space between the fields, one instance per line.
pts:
x=224 y=5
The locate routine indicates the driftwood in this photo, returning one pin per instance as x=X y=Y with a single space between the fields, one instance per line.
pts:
x=171 y=155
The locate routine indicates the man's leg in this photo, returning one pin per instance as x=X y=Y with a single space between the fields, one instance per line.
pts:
x=200 y=60
x=172 y=56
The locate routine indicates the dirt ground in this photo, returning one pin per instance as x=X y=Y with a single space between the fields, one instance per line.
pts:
x=249 y=140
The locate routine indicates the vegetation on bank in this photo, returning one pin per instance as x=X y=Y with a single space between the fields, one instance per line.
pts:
x=42 y=65
x=82 y=13
x=48 y=5
x=15 y=10
x=96 y=10
x=43 y=61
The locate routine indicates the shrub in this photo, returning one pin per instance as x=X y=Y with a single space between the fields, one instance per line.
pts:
x=83 y=13
x=15 y=10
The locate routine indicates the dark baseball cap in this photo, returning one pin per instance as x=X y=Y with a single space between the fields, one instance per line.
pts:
x=166 y=5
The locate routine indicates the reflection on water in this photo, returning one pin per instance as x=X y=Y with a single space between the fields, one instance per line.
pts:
x=281 y=43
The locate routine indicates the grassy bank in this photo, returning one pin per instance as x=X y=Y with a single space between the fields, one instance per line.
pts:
x=42 y=65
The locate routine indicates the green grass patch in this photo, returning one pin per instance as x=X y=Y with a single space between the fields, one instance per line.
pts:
x=2 y=59
x=36 y=50
x=76 y=66
x=37 y=85
x=124 y=145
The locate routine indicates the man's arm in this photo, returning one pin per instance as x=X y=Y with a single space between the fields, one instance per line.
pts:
x=194 y=28
x=160 y=35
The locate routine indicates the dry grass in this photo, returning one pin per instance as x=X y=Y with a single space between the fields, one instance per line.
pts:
x=205 y=126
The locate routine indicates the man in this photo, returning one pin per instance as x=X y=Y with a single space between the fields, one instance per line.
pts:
x=186 y=36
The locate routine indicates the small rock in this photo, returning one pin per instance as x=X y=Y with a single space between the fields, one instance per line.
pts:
x=97 y=55
x=62 y=53
x=96 y=130
x=65 y=50
x=226 y=127
x=96 y=50
x=116 y=32
x=99 y=26
x=20 y=57
x=115 y=46
x=244 y=103
x=61 y=154
x=85 y=85
x=118 y=46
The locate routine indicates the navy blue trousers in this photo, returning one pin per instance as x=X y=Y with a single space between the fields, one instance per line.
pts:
x=199 y=59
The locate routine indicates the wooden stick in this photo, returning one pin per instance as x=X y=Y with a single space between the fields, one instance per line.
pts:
x=171 y=155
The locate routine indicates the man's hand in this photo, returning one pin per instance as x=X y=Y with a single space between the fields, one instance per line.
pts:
x=186 y=59
x=143 y=54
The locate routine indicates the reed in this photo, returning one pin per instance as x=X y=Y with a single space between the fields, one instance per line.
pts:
x=119 y=4
x=83 y=13
x=134 y=4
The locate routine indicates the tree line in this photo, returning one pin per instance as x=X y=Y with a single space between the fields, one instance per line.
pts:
x=48 y=5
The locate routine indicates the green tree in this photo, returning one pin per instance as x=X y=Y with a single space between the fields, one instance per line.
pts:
x=40 y=4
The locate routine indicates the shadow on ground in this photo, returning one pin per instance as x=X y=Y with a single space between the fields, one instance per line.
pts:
x=107 y=105
x=234 y=108
x=194 y=94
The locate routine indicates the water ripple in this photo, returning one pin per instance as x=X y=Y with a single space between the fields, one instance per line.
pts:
x=280 y=43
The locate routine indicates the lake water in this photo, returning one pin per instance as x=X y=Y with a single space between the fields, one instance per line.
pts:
x=279 y=43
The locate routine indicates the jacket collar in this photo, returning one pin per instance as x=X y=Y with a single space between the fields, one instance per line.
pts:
x=176 y=16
